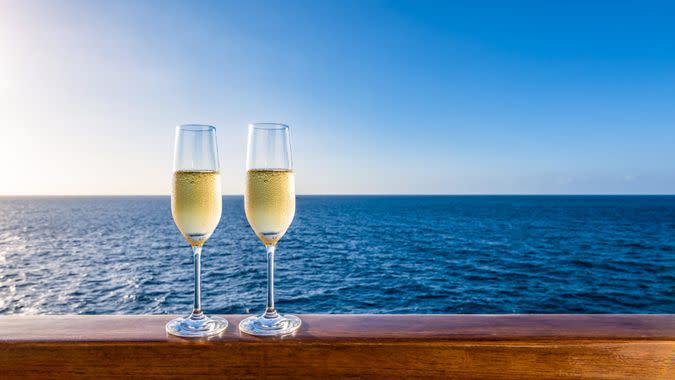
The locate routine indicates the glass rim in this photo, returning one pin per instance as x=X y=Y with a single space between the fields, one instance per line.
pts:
x=196 y=127
x=268 y=126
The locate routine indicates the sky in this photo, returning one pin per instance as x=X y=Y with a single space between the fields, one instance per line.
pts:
x=382 y=97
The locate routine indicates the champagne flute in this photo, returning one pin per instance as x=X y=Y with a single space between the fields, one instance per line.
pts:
x=196 y=204
x=269 y=202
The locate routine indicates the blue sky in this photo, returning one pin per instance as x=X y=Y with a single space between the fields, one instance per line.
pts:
x=382 y=97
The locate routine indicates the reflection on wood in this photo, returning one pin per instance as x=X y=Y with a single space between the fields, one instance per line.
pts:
x=464 y=346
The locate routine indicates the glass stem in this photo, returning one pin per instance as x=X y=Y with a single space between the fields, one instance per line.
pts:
x=197 y=309
x=270 y=311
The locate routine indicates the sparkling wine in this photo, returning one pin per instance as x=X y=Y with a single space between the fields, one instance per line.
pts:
x=270 y=202
x=196 y=204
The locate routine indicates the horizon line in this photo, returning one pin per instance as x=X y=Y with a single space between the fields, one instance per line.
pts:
x=354 y=194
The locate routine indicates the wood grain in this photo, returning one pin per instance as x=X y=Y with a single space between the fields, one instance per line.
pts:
x=335 y=346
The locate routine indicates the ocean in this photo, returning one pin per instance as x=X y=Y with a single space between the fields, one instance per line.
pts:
x=345 y=254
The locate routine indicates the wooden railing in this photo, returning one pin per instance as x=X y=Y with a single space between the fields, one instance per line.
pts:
x=442 y=346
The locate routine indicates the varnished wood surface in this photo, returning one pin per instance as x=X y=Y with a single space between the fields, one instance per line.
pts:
x=150 y=328
x=366 y=346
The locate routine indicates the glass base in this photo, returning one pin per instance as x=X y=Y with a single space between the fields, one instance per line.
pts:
x=265 y=326
x=195 y=327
